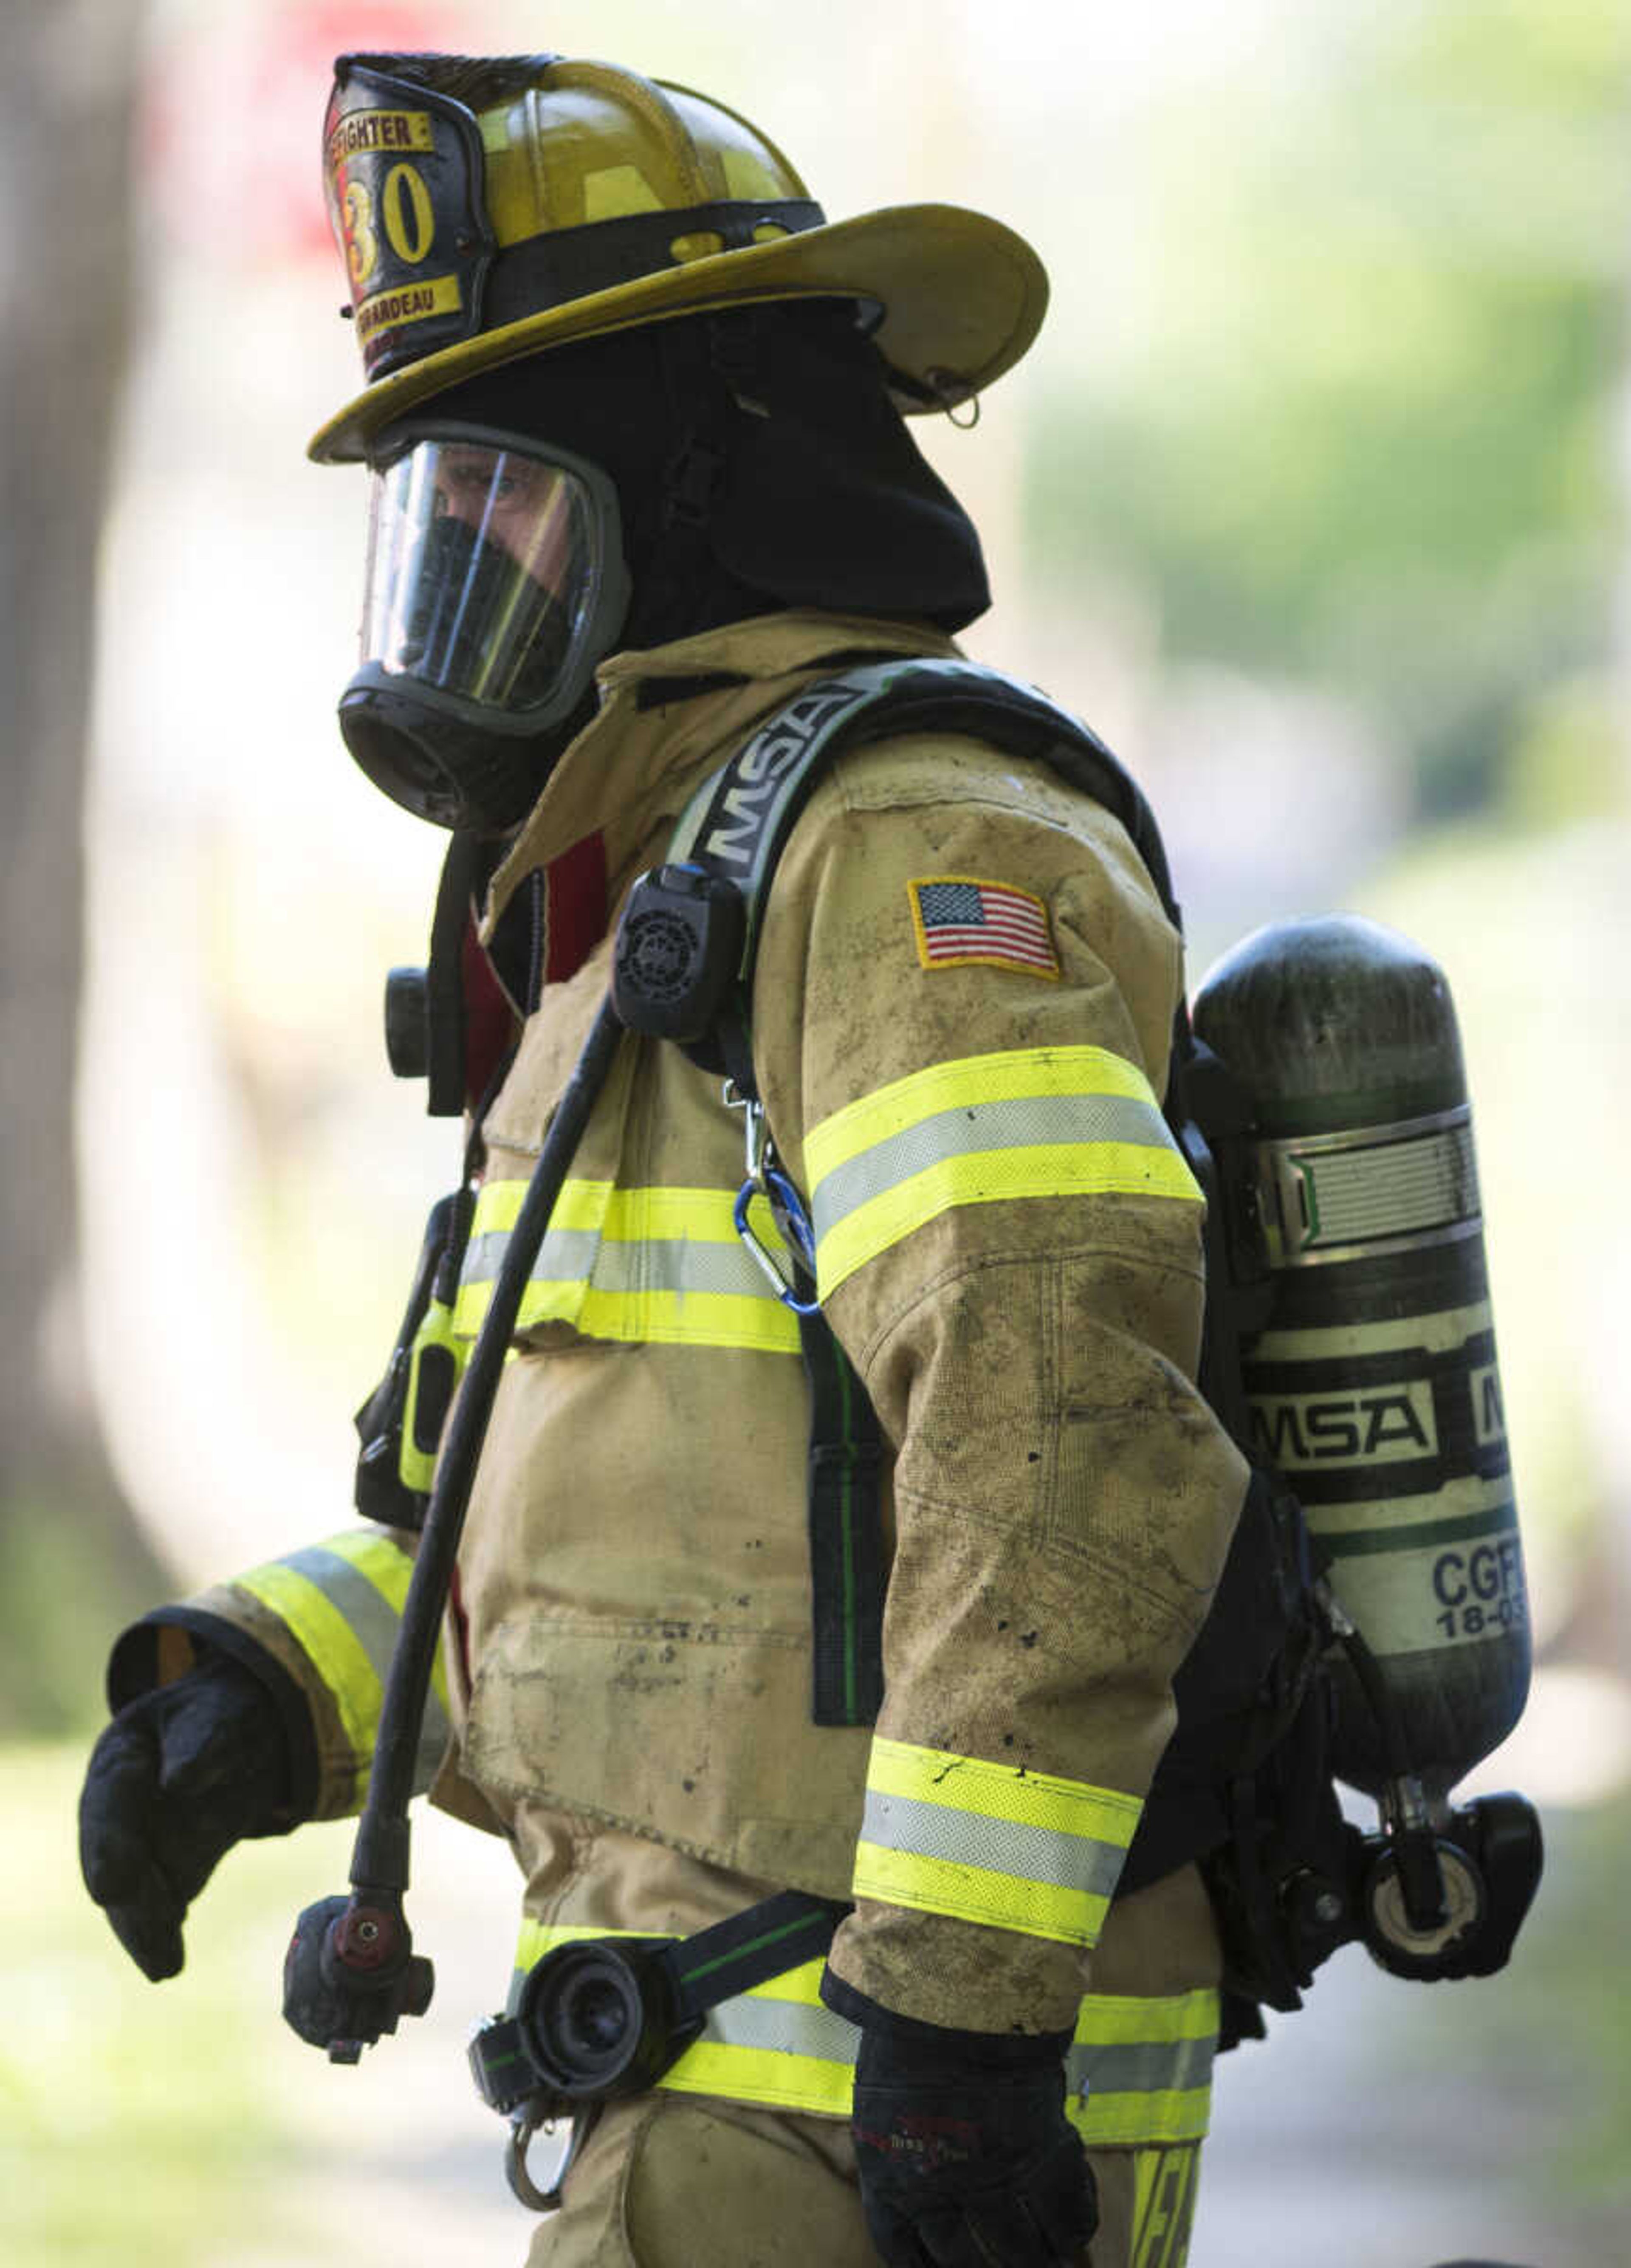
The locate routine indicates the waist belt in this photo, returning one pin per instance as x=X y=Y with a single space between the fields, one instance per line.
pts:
x=773 y=2044
x=1138 y=2071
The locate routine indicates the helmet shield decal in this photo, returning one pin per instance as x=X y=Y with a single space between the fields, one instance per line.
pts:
x=404 y=169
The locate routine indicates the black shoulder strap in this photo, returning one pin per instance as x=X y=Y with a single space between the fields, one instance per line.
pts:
x=684 y=966
x=736 y=826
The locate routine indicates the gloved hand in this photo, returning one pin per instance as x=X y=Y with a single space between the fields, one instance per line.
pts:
x=182 y=1774
x=965 y=2155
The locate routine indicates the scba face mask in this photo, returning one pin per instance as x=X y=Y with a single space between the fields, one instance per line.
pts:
x=496 y=582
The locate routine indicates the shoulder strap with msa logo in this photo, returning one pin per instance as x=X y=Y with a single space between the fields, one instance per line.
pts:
x=690 y=935
x=1247 y=1767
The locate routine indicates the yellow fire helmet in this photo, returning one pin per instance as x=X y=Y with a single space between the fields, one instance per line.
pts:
x=489 y=208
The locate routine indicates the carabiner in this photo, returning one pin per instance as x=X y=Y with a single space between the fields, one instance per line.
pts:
x=525 y=2124
x=765 y=1179
x=784 y=1202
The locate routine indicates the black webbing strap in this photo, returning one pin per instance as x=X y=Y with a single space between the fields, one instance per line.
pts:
x=664 y=1988
x=734 y=829
x=845 y=1523
x=567 y=263
x=762 y=1942
x=447 y=1098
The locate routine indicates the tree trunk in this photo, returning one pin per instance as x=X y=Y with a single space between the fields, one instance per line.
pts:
x=71 y=1558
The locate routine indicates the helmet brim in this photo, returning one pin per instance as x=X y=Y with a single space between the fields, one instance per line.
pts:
x=962 y=297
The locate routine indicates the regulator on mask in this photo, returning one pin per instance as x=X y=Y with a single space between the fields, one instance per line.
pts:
x=496 y=582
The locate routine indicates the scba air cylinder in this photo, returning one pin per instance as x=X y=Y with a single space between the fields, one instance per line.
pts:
x=1374 y=1387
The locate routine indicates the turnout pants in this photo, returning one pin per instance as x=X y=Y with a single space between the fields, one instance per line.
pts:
x=680 y=2180
x=672 y=2181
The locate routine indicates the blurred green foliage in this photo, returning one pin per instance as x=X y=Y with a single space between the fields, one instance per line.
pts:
x=1369 y=442
x=1553 y=2026
x=1561 y=2001
x=73 y=1570
x=132 y=2131
x=184 y=2124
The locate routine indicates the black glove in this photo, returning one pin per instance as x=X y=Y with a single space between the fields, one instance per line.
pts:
x=965 y=2155
x=182 y=1774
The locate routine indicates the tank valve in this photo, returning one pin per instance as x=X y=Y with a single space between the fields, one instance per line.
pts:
x=1487 y=1865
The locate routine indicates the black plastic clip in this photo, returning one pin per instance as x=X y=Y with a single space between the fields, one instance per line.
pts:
x=679 y=950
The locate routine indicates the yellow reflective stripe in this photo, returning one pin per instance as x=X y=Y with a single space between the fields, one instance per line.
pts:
x=982 y=1894
x=390 y=1570
x=1112 y=2120
x=538 y=1938
x=633 y=1215
x=712 y=1319
x=1010 y=1076
x=646 y=1216
x=1125 y=2020
x=1028 y=1123
x=996 y=1844
x=654 y=1265
x=801 y=1985
x=331 y=1646
x=416 y=1467
x=990 y=1176
x=342 y=1601
x=1012 y=1792
x=1140 y=2070
x=785 y=2082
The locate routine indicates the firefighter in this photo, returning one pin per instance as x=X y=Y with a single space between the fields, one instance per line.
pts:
x=633 y=417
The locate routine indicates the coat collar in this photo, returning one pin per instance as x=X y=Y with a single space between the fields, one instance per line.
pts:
x=627 y=775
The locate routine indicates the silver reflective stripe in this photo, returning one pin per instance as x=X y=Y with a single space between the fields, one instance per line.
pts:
x=1026 y=1122
x=969 y=1838
x=782 y=2028
x=566 y=1254
x=1145 y=2067
x=374 y=1622
x=579 y=1255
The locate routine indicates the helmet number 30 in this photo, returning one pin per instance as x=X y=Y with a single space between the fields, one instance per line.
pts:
x=405 y=214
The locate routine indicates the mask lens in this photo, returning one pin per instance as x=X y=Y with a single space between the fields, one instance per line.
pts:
x=484 y=567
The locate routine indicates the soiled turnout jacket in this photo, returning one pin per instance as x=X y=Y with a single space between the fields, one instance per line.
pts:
x=961 y=1010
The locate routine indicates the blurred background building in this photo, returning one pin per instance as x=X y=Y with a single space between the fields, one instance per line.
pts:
x=1311 y=497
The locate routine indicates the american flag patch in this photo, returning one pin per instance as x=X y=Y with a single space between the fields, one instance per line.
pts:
x=958 y=920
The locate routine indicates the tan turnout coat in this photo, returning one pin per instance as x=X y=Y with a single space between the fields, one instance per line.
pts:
x=628 y=1685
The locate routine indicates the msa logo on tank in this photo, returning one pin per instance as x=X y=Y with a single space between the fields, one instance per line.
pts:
x=1390 y=1422
x=403 y=167
x=1398 y=1453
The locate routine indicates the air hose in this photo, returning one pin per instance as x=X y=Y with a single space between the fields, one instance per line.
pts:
x=351 y=1972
